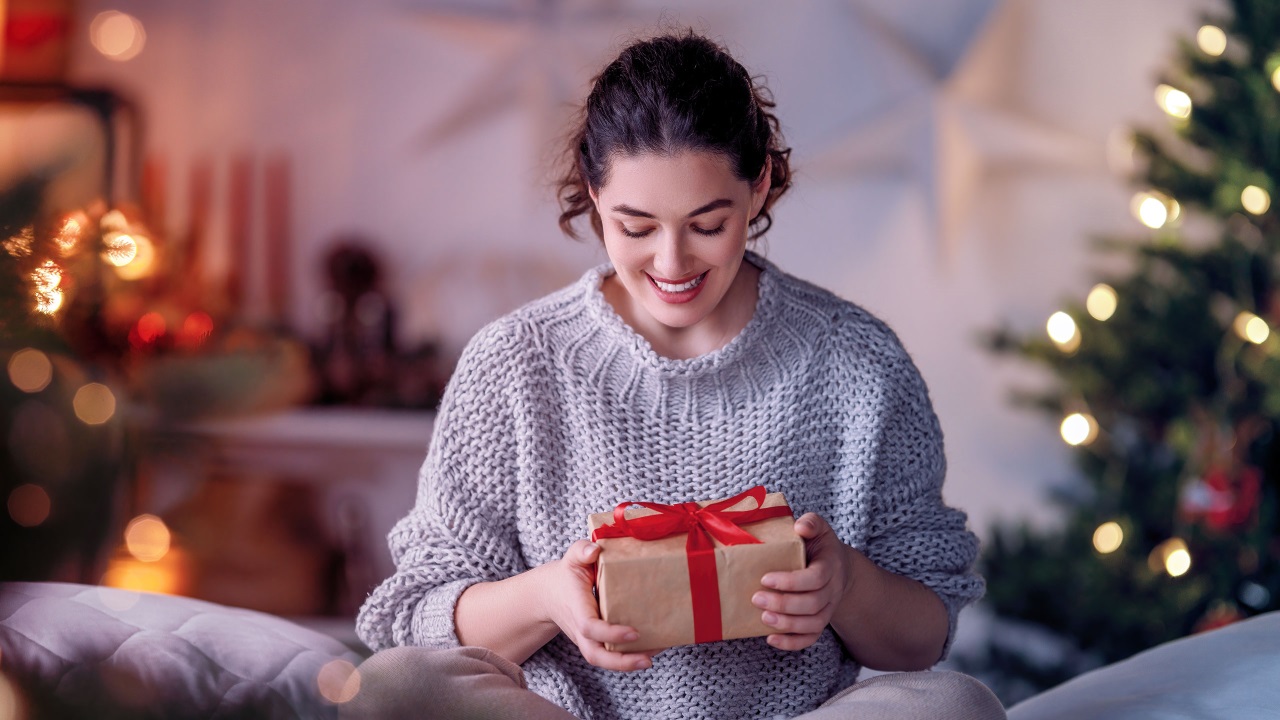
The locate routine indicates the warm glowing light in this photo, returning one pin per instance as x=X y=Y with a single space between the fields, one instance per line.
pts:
x=1173 y=101
x=1275 y=79
x=117 y=35
x=119 y=248
x=113 y=221
x=20 y=245
x=1101 y=302
x=143 y=260
x=29 y=505
x=30 y=370
x=1251 y=327
x=1079 y=429
x=1175 y=209
x=1255 y=199
x=167 y=576
x=1171 y=556
x=1063 y=331
x=1150 y=210
x=1108 y=537
x=196 y=329
x=339 y=681
x=147 y=538
x=94 y=404
x=151 y=327
x=1212 y=40
x=71 y=232
x=48 y=295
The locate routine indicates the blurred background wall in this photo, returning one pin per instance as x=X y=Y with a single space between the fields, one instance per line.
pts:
x=954 y=159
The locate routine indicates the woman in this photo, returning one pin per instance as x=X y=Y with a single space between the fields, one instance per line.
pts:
x=686 y=368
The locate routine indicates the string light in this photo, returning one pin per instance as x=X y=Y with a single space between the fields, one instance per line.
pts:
x=30 y=370
x=70 y=232
x=48 y=295
x=94 y=404
x=1170 y=556
x=1079 y=429
x=143 y=259
x=1108 y=537
x=1212 y=40
x=1251 y=327
x=117 y=35
x=1101 y=302
x=1154 y=209
x=1275 y=79
x=119 y=248
x=1063 y=332
x=1255 y=199
x=1173 y=101
x=20 y=245
x=147 y=538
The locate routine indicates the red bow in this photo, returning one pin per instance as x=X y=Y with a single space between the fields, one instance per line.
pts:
x=702 y=524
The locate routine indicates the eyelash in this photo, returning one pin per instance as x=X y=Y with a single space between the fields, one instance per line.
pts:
x=700 y=231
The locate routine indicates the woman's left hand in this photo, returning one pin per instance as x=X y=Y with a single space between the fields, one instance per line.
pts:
x=800 y=603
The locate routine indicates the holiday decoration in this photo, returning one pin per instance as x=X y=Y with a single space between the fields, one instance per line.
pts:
x=1167 y=387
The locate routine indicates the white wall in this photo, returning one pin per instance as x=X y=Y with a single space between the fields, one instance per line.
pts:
x=951 y=157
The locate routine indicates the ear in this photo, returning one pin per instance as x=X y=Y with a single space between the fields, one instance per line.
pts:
x=760 y=189
x=595 y=199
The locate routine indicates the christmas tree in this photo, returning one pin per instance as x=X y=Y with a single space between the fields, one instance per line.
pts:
x=1166 y=380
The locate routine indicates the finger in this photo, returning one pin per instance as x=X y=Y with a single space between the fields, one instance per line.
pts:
x=582 y=552
x=794 y=624
x=603 y=632
x=815 y=577
x=811 y=525
x=596 y=654
x=790 y=603
x=792 y=642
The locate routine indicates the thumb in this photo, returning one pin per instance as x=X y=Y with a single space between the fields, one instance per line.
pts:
x=811 y=525
x=583 y=553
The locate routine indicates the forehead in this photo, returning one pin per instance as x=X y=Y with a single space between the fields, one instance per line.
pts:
x=671 y=180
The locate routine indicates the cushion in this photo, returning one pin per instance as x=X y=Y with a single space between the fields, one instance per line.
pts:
x=1229 y=673
x=85 y=651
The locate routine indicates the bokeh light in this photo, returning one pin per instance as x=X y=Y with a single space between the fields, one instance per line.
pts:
x=1251 y=327
x=70 y=232
x=339 y=681
x=117 y=35
x=1255 y=199
x=30 y=370
x=94 y=404
x=1108 y=537
x=1063 y=331
x=1275 y=79
x=143 y=262
x=29 y=505
x=1079 y=429
x=1212 y=40
x=119 y=248
x=1101 y=302
x=150 y=327
x=1151 y=209
x=48 y=294
x=19 y=245
x=1173 y=101
x=196 y=329
x=1170 y=556
x=147 y=538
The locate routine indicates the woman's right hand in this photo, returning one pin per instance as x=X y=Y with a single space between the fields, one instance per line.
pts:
x=570 y=604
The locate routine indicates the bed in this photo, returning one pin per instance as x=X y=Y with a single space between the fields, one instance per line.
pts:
x=83 y=651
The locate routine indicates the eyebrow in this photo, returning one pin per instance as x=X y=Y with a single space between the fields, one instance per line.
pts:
x=713 y=205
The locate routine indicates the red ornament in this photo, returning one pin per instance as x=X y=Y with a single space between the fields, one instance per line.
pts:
x=1222 y=501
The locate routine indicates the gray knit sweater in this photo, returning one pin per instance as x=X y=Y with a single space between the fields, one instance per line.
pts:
x=560 y=409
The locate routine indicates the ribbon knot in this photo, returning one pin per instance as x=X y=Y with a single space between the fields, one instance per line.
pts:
x=704 y=525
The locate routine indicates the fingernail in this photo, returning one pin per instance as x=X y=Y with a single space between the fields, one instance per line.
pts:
x=586 y=550
x=769 y=618
x=769 y=581
x=643 y=664
x=631 y=636
x=759 y=599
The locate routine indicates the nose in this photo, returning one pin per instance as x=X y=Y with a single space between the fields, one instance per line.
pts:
x=670 y=257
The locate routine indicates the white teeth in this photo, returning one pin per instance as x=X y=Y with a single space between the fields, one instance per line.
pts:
x=667 y=287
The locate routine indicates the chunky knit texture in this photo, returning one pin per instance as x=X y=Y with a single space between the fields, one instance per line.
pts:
x=560 y=409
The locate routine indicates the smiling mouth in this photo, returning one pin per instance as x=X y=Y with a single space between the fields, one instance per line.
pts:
x=674 y=288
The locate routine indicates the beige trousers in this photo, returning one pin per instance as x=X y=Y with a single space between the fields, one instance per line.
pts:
x=473 y=683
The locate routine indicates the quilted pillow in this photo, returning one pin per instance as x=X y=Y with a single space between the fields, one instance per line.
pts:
x=84 y=651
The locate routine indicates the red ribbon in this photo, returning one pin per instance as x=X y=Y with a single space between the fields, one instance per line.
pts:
x=702 y=524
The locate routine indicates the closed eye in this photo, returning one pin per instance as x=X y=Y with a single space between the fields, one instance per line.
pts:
x=633 y=234
x=713 y=231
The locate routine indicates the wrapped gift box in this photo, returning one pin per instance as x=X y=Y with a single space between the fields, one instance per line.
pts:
x=648 y=584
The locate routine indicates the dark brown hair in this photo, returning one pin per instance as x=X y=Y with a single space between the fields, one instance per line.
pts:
x=665 y=95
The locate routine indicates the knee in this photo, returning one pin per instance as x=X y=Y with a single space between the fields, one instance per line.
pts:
x=971 y=699
x=403 y=680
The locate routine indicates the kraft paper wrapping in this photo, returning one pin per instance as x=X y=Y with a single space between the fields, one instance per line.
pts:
x=645 y=584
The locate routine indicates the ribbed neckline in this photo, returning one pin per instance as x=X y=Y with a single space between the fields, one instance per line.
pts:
x=642 y=351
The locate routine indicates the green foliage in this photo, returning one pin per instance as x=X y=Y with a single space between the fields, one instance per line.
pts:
x=1183 y=404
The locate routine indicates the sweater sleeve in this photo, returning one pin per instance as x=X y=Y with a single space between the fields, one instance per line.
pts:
x=461 y=530
x=911 y=530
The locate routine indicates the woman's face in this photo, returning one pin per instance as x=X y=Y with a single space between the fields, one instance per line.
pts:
x=675 y=229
